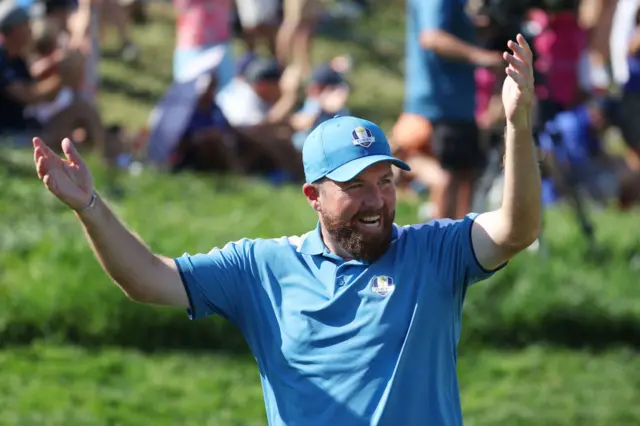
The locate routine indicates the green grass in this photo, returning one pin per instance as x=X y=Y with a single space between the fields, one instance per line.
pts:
x=48 y=385
x=53 y=293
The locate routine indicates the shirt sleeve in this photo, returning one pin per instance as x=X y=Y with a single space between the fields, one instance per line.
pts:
x=449 y=249
x=432 y=14
x=217 y=282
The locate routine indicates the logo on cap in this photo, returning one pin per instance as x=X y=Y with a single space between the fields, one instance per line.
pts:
x=362 y=137
x=382 y=285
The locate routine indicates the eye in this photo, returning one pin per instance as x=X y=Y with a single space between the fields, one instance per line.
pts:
x=386 y=181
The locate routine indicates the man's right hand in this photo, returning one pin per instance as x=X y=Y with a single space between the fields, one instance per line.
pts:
x=68 y=179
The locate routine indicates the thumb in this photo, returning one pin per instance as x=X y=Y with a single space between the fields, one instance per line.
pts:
x=70 y=151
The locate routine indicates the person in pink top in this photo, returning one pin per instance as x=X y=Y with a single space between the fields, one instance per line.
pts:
x=560 y=45
x=203 y=25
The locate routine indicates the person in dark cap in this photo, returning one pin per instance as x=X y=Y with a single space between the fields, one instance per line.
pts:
x=17 y=88
x=248 y=99
x=327 y=95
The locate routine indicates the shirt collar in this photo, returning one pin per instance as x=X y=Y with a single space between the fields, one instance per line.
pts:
x=313 y=244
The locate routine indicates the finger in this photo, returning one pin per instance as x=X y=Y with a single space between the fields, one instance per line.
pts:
x=70 y=151
x=41 y=167
x=517 y=77
x=40 y=145
x=525 y=45
x=518 y=52
x=516 y=63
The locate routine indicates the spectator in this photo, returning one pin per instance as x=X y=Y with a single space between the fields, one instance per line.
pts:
x=561 y=45
x=84 y=35
x=296 y=32
x=259 y=20
x=327 y=95
x=440 y=89
x=249 y=98
x=247 y=104
x=208 y=142
x=630 y=104
x=622 y=30
x=114 y=12
x=202 y=26
x=576 y=159
x=18 y=88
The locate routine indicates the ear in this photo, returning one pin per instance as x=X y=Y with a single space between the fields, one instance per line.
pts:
x=312 y=192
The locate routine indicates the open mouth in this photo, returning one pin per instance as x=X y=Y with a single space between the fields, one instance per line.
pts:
x=371 y=221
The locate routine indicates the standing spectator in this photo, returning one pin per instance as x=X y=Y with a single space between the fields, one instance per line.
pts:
x=259 y=21
x=560 y=46
x=440 y=89
x=202 y=25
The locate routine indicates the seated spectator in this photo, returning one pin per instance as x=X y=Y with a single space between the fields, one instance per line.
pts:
x=247 y=103
x=247 y=100
x=19 y=89
x=44 y=65
x=327 y=95
x=576 y=160
x=208 y=142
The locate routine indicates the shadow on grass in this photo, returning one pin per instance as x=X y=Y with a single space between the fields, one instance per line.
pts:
x=563 y=329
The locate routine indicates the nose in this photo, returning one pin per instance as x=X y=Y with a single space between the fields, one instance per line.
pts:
x=373 y=198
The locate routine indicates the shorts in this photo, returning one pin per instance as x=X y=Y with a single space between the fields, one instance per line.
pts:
x=456 y=145
x=628 y=119
x=257 y=12
x=298 y=10
x=183 y=58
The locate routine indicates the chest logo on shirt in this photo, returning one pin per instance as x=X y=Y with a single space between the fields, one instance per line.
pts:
x=362 y=137
x=382 y=285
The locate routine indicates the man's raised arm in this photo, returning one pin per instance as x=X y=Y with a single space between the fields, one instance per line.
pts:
x=499 y=235
x=142 y=275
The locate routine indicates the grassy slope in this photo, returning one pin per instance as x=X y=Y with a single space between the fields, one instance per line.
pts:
x=71 y=386
x=46 y=269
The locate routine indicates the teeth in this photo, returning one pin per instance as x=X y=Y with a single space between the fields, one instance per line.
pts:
x=371 y=218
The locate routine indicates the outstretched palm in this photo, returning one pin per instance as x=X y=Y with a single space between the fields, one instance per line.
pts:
x=68 y=179
x=517 y=91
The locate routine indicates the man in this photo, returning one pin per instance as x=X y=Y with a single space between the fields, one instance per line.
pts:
x=248 y=99
x=357 y=321
x=440 y=89
x=327 y=95
x=18 y=88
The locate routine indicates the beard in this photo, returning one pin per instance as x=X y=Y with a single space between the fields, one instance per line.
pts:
x=365 y=246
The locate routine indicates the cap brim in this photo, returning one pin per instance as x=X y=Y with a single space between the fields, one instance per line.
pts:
x=350 y=170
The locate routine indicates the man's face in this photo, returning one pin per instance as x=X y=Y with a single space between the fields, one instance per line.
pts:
x=359 y=214
x=268 y=90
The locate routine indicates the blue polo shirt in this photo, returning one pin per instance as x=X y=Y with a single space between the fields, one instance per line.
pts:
x=346 y=343
x=437 y=87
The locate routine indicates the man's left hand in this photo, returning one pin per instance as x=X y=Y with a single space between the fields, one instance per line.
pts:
x=517 y=91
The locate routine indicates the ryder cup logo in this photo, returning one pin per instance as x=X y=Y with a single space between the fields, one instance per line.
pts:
x=362 y=137
x=382 y=285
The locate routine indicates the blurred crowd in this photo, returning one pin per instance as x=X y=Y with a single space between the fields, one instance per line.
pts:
x=249 y=113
